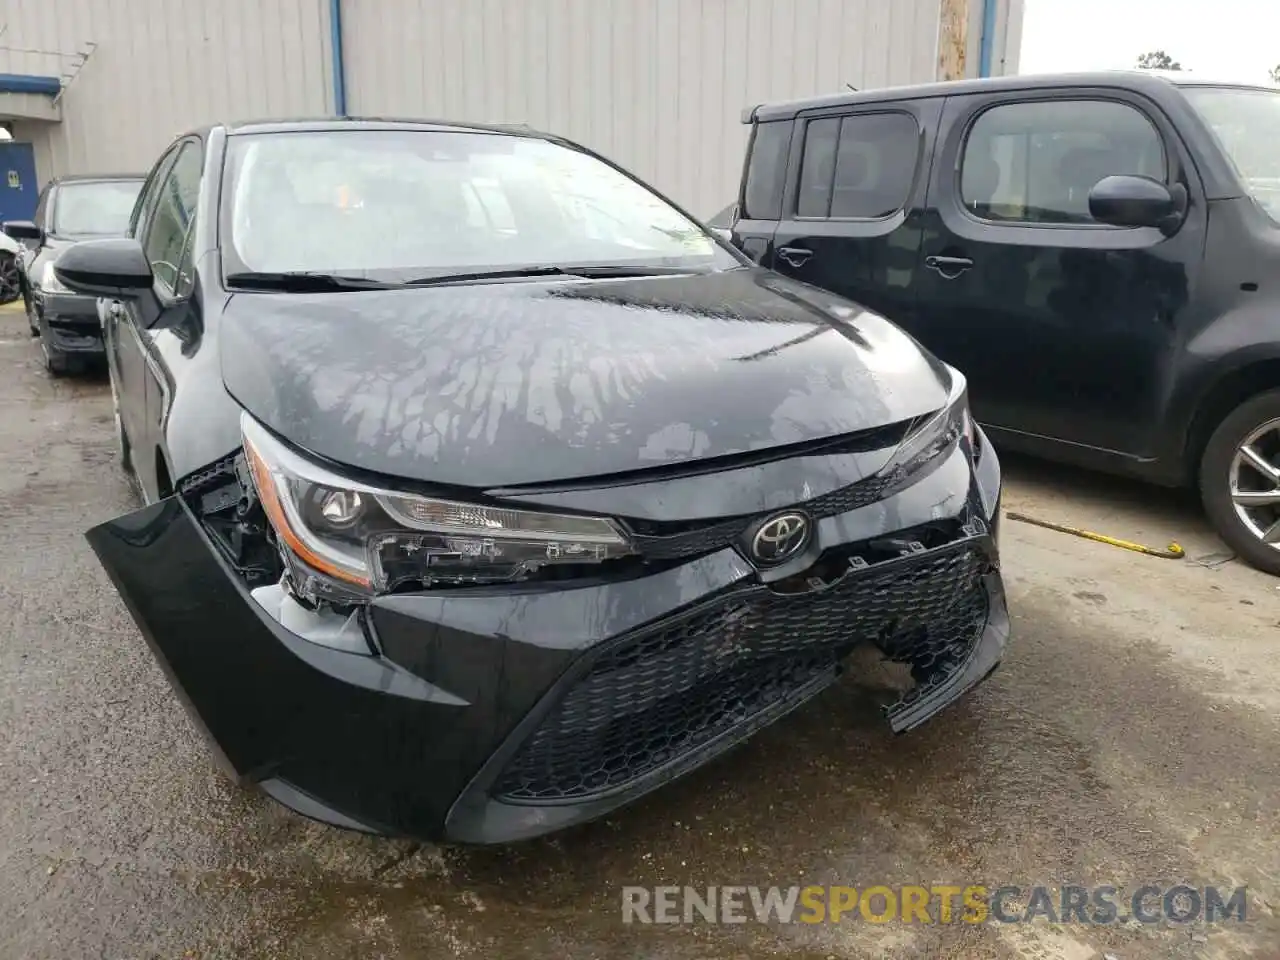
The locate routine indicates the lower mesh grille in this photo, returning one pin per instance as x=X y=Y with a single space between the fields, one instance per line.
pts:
x=667 y=692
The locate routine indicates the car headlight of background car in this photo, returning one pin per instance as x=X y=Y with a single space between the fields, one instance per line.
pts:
x=347 y=541
x=49 y=282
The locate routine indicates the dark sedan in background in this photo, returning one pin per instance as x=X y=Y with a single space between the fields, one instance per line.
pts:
x=69 y=210
x=487 y=491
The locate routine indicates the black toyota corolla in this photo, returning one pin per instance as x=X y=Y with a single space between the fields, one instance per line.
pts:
x=486 y=491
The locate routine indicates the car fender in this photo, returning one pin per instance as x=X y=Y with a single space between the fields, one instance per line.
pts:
x=1228 y=361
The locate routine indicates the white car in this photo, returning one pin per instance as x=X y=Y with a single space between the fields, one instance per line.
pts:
x=10 y=269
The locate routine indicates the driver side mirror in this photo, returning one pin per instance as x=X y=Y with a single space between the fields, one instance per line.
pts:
x=1133 y=201
x=105 y=268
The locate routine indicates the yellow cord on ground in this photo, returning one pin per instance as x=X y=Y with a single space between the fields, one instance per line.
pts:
x=1173 y=551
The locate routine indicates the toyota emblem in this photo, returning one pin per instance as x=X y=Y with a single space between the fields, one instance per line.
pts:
x=780 y=538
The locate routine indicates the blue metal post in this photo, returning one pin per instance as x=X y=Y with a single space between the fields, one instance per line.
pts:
x=988 y=42
x=339 y=62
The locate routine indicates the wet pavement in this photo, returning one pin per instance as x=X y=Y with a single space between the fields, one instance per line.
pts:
x=1132 y=737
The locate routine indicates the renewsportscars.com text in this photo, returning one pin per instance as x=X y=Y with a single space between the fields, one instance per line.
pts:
x=973 y=904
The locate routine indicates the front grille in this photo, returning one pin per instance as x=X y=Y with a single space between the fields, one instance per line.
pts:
x=659 y=541
x=669 y=691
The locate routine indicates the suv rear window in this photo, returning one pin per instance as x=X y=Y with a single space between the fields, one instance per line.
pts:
x=766 y=164
x=859 y=167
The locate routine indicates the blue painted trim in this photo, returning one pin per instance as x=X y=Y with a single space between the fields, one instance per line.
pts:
x=339 y=61
x=988 y=43
x=27 y=83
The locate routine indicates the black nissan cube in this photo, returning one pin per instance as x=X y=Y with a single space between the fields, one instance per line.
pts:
x=487 y=491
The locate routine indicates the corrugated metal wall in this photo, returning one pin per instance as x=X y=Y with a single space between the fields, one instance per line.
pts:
x=656 y=85
x=160 y=67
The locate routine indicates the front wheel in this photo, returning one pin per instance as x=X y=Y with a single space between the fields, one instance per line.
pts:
x=1240 y=481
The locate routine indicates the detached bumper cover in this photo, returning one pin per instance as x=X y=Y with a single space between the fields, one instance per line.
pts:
x=501 y=714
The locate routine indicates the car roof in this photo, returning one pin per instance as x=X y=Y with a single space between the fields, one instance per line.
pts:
x=1153 y=82
x=322 y=124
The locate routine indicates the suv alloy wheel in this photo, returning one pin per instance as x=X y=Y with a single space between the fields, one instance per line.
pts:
x=1240 y=480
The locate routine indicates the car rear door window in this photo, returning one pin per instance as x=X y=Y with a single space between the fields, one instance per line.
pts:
x=766 y=167
x=857 y=167
x=1036 y=161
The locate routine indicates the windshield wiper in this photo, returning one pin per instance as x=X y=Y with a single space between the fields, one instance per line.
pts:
x=587 y=271
x=298 y=281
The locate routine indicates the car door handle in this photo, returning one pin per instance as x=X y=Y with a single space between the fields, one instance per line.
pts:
x=948 y=267
x=795 y=256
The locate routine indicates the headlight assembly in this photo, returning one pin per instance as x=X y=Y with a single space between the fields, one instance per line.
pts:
x=347 y=541
x=933 y=437
x=49 y=281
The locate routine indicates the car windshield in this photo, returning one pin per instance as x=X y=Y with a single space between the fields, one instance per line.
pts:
x=1247 y=123
x=410 y=204
x=94 y=207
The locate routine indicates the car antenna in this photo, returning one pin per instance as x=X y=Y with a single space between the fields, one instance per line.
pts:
x=852 y=87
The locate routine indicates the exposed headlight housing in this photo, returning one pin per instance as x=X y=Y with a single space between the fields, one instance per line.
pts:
x=346 y=541
x=49 y=281
x=934 y=436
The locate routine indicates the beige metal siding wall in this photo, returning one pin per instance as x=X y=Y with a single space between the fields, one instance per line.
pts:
x=1007 y=43
x=1009 y=37
x=656 y=85
x=161 y=67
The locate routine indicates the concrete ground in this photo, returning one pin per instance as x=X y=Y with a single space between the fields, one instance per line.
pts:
x=1130 y=738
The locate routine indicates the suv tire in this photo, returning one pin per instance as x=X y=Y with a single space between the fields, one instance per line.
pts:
x=1223 y=467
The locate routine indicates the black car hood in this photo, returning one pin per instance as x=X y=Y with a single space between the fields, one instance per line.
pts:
x=502 y=384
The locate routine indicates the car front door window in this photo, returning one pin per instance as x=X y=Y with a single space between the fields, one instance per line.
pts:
x=173 y=218
x=1036 y=162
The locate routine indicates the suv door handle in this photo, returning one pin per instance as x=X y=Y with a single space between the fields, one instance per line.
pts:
x=795 y=256
x=948 y=267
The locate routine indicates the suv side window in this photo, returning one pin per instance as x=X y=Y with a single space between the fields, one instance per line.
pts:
x=766 y=165
x=859 y=167
x=1035 y=162
x=174 y=218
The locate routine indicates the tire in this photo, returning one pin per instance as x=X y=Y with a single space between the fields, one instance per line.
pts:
x=1250 y=528
x=10 y=278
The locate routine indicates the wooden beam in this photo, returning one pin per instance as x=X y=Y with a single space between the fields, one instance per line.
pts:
x=953 y=39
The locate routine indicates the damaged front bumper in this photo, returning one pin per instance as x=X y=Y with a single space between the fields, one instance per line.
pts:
x=493 y=714
x=70 y=321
